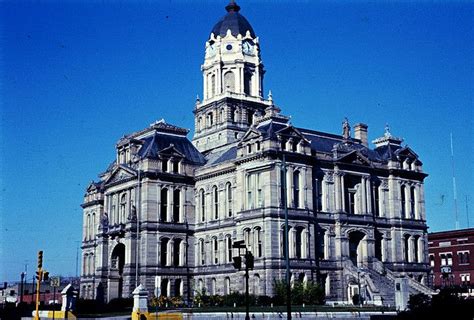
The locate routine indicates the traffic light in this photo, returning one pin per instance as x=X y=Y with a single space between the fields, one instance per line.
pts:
x=237 y=262
x=38 y=275
x=40 y=259
x=249 y=260
x=45 y=276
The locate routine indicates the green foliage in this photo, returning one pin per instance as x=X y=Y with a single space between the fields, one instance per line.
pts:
x=166 y=302
x=419 y=302
x=308 y=293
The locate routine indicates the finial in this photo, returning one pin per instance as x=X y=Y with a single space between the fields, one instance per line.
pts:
x=346 y=129
x=387 y=131
x=232 y=7
x=270 y=96
x=197 y=99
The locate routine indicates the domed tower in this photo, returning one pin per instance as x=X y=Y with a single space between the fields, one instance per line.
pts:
x=233 y=83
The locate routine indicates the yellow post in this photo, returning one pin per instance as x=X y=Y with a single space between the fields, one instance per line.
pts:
x=38 y=282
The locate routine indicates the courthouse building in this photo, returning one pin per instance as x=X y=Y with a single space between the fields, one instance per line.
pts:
x=167 y=210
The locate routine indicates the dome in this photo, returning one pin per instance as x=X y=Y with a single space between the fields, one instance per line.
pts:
x=233 y=21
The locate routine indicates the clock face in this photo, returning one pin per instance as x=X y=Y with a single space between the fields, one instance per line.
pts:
x=229 y=47
x=247 y=47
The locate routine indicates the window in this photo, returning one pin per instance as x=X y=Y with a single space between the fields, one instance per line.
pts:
x=403 y=201
x=164 y=205
x=229 y=199
x=407 y=247
x=299 y=243
x=221 y=115
x=123 y=207
x=258 y=242
x=249 y=148
x=432 y=260
x=229 y=81
x=210 y=119
x=412 y=202
x=164 y=165
x=296 y=189
x=449 y=258
x=376 y=201
x=319 y=193
x=201 y=252
x=248 y=239
x=443 y=259
x=176 y=166
x=215 y=193
x=213 y=85
x=250 y=191
x=227 y=285
x=164 y=287
x=176 y=205
x=249 y=117
x=463 y=257
x=215 y=251
x=465 y=279
x=247 y=82
x=322 y=242
x=415 y=249
x=213 y=286
x=177 y=253
x=178 y=288
x=351 y=195
x=202 y=200
x=164 y=252
x=228 y=248
x=258 y=145
x=259 y=190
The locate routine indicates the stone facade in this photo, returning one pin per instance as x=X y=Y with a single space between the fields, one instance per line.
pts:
x=166 y=212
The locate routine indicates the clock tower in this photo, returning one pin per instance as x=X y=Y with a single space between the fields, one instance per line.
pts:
x=232 y=82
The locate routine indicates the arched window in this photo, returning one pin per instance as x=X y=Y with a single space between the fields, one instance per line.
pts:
x=85 y=261
x=164 y=252
x=164 y=287
x=123 y=207
x=248 y=239
x=199 y=126
x=213 y=85
x=227 y=286
x=412 y=202
x=215 y=251
x=296 y=188
x=257 y=233
x=229 y=81
x=88 y=227
x=176 y=205
x=228 y=242
x=416 y=257
x=256 y=284
x=406 y=245
x=202 y=200
x=177 y=253
x=221 y=116
x=213 y=286
x=299 y=243
x=228 y=189
x=164 y=205
x=215 y=195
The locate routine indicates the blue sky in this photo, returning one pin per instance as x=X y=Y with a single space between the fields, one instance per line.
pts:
x=77 y=75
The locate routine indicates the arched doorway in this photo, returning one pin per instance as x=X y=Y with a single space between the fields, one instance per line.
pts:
x=355 y=248
x=117 y=261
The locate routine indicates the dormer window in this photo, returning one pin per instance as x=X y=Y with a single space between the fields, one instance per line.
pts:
x=249 y=149
x=258 y=145
x=164 y=165
x=176 y=166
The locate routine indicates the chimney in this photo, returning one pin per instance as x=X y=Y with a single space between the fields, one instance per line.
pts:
x=360 y=132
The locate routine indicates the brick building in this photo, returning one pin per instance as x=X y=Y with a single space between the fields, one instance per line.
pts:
x=450 y=255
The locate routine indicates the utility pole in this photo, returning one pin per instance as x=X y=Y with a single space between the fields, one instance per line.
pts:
x=286 y=240
x=38 y=283
x=249 y=264
x=21 y=286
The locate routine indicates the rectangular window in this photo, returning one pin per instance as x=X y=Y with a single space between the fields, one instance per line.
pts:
x=259 y=191
x=250 y=191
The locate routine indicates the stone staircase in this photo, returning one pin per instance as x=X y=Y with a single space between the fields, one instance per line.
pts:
x=379 y=283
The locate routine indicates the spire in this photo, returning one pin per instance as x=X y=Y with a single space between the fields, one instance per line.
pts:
x=232 y=7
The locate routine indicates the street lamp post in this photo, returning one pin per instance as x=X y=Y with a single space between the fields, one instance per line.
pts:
x=286 y=240
x=248 y=265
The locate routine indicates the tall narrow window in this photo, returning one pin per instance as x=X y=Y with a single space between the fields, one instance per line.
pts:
x=296 y=189
x=403 y=201
x=227 y=286
x=176 y=205
x=201 y=252
x=164 y=252
x=164 y=287
x=215 y=250
x=213 y=85
x=322 y=244
x=164 y=165
x=215 y=194
x=123 y=208
x=177 y=252
x=412 y=202
x=259 y=190
x=248 y=239
x=250 y=191
x=229 y=81
x=283 y=242
x=229 y=248
x=210 y=119
x=213 y=286
x=164 y=205
x=247 y=82
x=376 y=201
x=202 y=200
x=178 y=284
x=299 y=243
x=351 y=195
x=176 y=166
x=258 y=242
x=229 y=199
x=407 y=247
x=249 y=117
x=319 y=193
x=415 y=249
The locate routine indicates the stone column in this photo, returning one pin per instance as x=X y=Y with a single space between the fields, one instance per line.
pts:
x=289 y=187
x=369 y=195
x=169 y=253
x=337 y=191
x=343 y=200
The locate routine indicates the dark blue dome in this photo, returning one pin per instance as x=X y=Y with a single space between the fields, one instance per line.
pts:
x=233 y=21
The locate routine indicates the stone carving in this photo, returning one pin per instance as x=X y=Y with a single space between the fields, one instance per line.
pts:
x=346 y=129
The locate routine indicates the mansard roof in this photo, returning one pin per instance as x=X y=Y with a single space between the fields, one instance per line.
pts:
x=222 y=156
x=153 y=145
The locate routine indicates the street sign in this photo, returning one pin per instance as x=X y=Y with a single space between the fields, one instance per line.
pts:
x=55 y=282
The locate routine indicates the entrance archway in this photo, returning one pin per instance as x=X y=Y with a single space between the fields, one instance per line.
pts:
x=356 y=251
x=117 y=262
